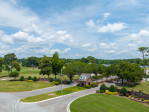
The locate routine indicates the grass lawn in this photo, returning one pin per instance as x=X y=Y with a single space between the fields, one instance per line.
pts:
x=143 y=86
x=52 y=94
x=106 y=103
x=16 y=86
x=28 y=71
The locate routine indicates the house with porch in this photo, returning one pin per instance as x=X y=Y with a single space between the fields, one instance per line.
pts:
x=85 y=79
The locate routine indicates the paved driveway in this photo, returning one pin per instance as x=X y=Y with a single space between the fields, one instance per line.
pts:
x=9 y=101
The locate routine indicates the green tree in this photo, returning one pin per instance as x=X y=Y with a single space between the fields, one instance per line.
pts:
x=15 y=65
x=57 y=64
x=8 y=59
x=45 y=66
x=143 y=50
x=14 y=74
x=1 y=64
x=123 y=70
x=70 y=71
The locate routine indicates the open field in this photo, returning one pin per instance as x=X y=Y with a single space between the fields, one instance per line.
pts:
x=28 y=71
x=106 y=103
x=143 y=86
x=52 y=94
x=16 y=86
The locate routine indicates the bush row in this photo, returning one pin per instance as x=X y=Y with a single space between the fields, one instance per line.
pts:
x=28 y=79
x=94 y=84
x=59 y=81
x=112 y=90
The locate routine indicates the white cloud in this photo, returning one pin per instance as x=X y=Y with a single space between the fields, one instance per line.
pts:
x=61 y=32
x=33 y=28
x=52 y=51
x=90 y=23
x=112 y=27
x=110 y=51
x=15 y=16
x=86 y=45
x=108 y=45
x=106 y=15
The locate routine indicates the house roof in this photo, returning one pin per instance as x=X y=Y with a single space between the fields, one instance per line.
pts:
x=85 y=76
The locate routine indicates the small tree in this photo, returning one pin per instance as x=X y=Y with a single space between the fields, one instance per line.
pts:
x=35 y=79
x=103 y=87
x=14 y=74
x=22 y=78
x=112 y=88
x=45 y=66
x=29 y=78
x=123 y=91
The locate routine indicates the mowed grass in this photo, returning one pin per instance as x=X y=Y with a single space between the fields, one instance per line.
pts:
x=29 y=71
x=143 y=86
x=52 y=94
x=17 y=86
x=106 y=103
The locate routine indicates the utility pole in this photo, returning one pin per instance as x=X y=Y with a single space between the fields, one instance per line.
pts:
x=61 y=80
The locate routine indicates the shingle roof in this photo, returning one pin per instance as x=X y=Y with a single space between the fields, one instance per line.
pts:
x=84 y=76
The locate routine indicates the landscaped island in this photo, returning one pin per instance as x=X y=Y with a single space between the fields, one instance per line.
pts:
x=52 y=94
x=106 y=103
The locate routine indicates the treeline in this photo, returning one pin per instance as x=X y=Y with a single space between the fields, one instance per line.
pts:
x=34 y=61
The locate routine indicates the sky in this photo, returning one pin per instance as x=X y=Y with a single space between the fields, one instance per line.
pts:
x=104 y=29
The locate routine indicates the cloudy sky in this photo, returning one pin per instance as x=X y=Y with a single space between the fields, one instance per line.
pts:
x=105 y=29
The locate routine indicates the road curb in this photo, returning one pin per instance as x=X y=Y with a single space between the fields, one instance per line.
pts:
x=48 y=99
x=68 y=106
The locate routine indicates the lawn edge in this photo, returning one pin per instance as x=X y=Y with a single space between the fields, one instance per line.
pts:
x=68 y=106
x=30 y=90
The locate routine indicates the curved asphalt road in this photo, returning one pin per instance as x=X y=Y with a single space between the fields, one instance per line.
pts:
x=9 y=101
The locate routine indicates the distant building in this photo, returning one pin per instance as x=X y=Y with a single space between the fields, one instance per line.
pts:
x=85 y=79
x=106 y=64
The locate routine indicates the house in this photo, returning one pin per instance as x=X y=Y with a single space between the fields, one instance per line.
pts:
x=85 y=79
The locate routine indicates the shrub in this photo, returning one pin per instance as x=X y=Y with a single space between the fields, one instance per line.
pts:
x=142 y=99
x=58 y=80
x=29 y=78
x=56 y=83
x=78 y=84
x=103 y=87
x=51 y=79
x=123 y=91
x=101 y=91
x=97 y=91
x=22 y=78
x=112 y=88
x=111 y=93
x=35 y=79
x=14 y=74
x=94 y=84
x=127 y=94
x=68 y=82
x=88 y=86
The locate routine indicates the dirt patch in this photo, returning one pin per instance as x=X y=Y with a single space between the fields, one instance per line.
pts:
x=51 y=94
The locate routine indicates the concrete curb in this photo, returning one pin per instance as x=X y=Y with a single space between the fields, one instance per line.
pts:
x=48 y=99
x=68 y=106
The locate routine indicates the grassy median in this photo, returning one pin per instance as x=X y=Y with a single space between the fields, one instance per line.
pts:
x=53 y=94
